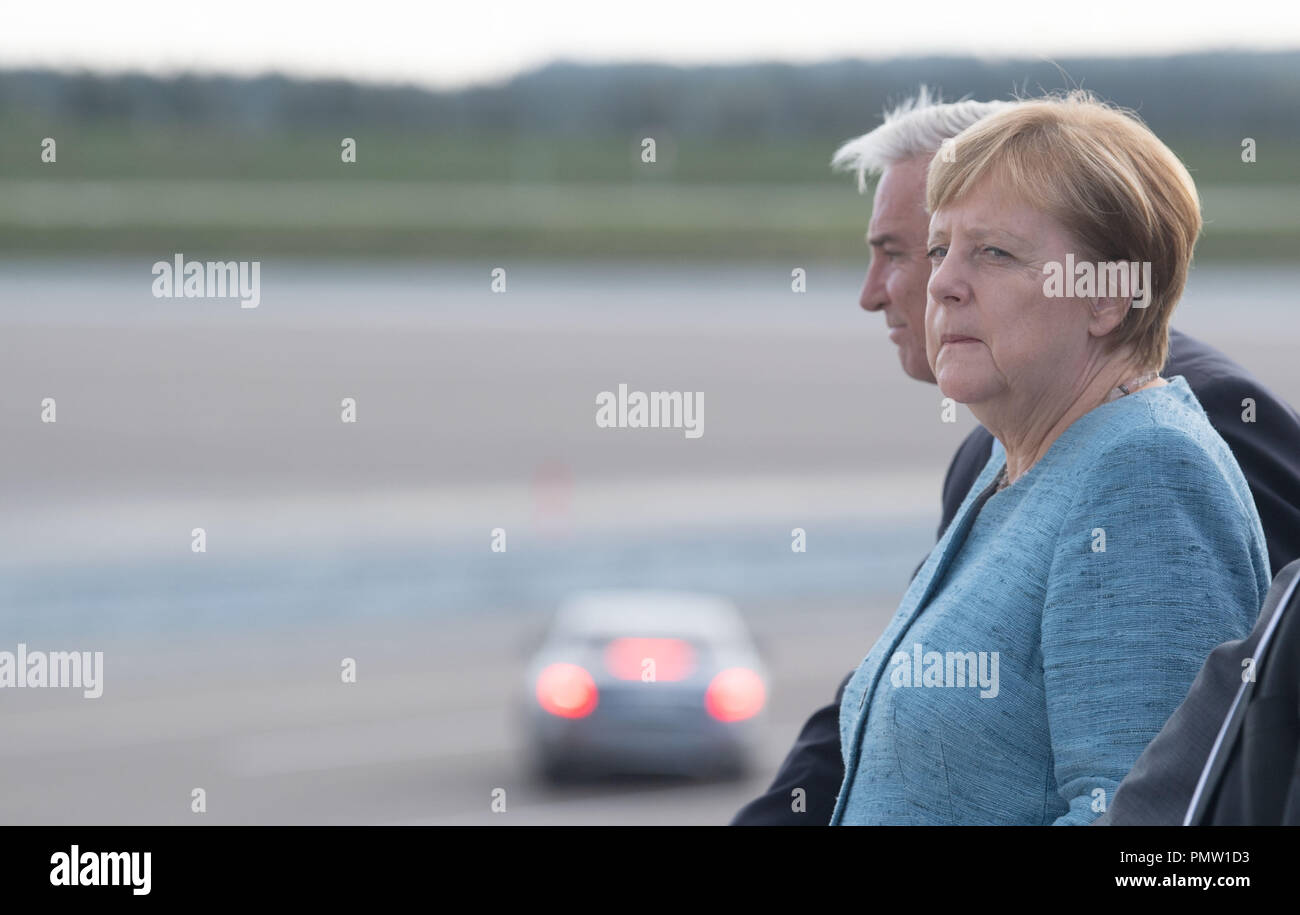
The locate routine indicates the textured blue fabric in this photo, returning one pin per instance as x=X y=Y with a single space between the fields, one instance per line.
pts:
x=1095 y=648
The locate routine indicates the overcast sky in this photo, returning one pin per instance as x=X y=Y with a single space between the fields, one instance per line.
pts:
x=442 y=44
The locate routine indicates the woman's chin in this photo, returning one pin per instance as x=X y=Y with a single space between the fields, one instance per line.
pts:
x=959 y=386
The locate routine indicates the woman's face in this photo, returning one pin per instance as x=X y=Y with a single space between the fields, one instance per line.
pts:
x=992 y=335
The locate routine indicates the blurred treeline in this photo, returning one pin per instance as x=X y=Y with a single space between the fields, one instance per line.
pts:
x=549 y=163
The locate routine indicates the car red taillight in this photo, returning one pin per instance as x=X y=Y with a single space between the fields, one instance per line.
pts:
x=735 y=694
x=673 y=659
x=566 y=690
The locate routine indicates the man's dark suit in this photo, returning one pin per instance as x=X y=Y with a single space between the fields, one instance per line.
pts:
x=1251 y=777
x=1268 y=451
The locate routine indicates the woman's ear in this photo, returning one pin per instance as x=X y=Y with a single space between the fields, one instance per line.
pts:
x=1108 y=313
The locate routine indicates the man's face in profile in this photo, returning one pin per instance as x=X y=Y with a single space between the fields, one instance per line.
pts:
x=899 y=270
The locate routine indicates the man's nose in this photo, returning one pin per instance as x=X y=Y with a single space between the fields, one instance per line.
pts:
x=873 y=296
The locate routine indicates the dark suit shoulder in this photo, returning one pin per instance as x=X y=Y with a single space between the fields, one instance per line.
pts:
x=1261 y=429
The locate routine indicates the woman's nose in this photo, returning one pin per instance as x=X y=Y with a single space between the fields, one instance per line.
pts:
x=947 y=284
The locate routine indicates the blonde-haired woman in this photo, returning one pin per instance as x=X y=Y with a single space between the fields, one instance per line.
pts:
x=1110 y=542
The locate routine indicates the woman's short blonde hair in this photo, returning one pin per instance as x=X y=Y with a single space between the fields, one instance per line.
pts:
x=1105 y=177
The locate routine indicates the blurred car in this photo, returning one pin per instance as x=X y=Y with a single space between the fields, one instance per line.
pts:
x=645 y=682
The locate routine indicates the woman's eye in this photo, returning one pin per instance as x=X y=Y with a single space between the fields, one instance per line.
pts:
x=937 y=251
x=996 y=252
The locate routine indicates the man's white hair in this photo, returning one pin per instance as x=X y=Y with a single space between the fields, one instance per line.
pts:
x=917 y=126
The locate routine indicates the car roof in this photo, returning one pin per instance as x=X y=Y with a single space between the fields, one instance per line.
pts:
x=650 y=613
